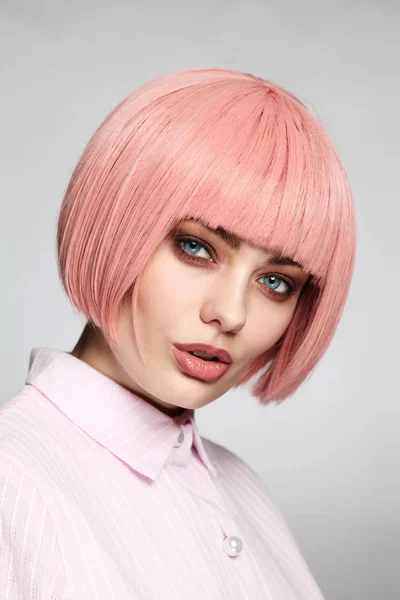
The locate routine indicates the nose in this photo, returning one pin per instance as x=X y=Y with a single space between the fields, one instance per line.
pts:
x=225 y=302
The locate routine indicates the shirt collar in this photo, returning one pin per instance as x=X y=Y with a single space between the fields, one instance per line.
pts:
x=132 y=429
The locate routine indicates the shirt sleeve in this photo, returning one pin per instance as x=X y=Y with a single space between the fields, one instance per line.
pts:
x=31 y=562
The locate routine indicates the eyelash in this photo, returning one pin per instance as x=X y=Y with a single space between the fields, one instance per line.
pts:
x=196 y=259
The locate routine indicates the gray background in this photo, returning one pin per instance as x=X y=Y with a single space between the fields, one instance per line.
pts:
x=330 y=454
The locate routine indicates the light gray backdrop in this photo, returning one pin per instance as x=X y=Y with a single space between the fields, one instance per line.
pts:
x=330 y=454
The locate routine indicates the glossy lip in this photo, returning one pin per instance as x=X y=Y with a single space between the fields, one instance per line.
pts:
x=222 y=354
x=206 y=370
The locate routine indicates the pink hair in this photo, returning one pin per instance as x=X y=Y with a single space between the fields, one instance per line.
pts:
x=238 y=152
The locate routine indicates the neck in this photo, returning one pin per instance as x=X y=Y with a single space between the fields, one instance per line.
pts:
x=93 y=349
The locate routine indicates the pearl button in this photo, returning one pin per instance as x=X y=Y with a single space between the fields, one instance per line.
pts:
x=181 y=437
x=232 y=545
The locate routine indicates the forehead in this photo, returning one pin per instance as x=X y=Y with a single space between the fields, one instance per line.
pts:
x=235 y=242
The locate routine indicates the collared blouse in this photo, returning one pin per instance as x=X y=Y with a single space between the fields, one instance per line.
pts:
x=103 y=496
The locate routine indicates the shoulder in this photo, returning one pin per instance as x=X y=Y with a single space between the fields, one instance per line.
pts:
x=16 y=415
x=16 y=405
x=21 y=414
x=28 y=432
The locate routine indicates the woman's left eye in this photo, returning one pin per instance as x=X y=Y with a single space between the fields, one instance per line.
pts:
x=275 y=282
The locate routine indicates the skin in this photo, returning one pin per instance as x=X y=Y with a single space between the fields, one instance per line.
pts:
x=224 y=300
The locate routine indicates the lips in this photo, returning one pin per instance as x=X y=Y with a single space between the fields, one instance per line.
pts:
x=222 y=354
x=206 y=370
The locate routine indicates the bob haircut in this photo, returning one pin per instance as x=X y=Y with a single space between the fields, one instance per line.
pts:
x=235 y=151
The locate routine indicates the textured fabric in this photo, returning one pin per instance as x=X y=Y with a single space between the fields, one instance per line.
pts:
x=104 y=496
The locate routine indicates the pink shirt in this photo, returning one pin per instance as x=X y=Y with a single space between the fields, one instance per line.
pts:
x=104 y=496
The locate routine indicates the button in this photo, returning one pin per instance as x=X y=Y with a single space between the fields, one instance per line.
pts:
x=232 y=545
x=181 y=437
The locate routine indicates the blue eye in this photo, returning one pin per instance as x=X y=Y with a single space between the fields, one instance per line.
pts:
x=192 y=242
x=276 y=282
x=190 y=254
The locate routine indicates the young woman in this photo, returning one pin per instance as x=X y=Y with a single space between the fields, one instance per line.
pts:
x=207 y=235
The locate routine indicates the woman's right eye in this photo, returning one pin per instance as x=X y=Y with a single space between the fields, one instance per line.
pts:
x=187 y=246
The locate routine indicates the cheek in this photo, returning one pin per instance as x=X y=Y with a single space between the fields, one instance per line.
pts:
x=263 y=334
x=165 y=292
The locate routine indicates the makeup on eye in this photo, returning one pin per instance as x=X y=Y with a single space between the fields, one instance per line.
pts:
x=180 y=240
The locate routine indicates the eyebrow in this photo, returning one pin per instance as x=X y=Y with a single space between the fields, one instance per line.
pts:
x=235 y=242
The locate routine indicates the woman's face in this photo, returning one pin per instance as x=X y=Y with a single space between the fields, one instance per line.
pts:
x=197 y=288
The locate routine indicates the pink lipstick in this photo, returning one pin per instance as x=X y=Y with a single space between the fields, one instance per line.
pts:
x=209 y=370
